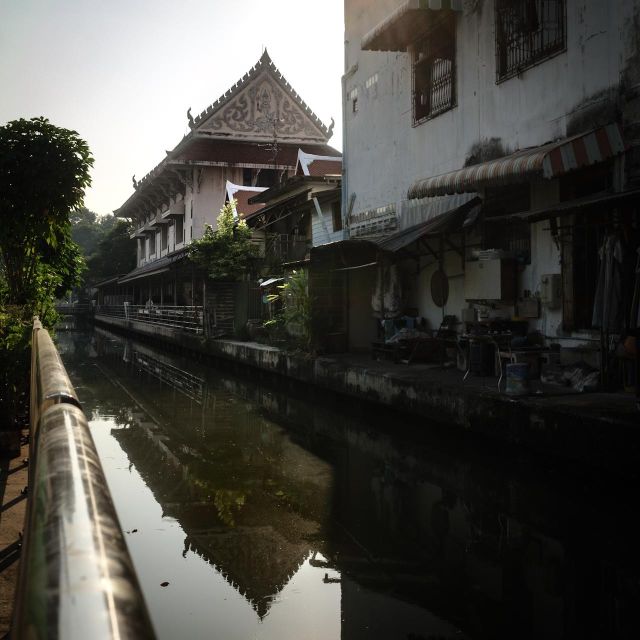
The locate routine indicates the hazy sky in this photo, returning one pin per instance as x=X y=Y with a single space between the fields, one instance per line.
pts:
x=124 y=72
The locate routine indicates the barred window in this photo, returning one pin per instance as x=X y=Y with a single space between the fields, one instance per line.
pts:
x=527 y=31
x=434 y=71
x=353 y=99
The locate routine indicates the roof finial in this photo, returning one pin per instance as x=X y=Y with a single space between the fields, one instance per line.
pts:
x=264 y=58
x=330 y=132
x=192 y=124
x=134 y=181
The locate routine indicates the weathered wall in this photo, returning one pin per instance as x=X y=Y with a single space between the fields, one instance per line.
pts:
x=558 y=97
x=322 y=230
x=362 y=327
x=210 y=197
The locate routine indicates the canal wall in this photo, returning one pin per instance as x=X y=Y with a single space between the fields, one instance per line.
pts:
x=599 y=429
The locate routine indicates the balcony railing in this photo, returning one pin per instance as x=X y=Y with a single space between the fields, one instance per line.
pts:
x=185 y=318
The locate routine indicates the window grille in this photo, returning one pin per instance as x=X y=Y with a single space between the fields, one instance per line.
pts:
x=353 y=98
x=527 y=31
x=434 y=71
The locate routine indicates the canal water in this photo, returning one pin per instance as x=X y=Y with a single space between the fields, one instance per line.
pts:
x=252 y=510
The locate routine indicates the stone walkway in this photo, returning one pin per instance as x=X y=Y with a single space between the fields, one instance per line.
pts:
x=13 y=479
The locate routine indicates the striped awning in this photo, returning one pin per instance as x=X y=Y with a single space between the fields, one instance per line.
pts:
x=548 y=161
x=405 y=24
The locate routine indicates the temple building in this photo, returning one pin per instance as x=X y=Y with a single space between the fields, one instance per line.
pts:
x=248 y=140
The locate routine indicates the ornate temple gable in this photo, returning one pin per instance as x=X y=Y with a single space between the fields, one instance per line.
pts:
x=261 y=106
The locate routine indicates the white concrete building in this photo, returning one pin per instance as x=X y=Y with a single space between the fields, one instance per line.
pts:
x=529 y=105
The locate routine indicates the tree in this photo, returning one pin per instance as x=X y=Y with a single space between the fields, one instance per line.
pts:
x=226 y=253
x=44 y=171
x=115 y=253
x=106 y=253
x=294 y=315
x=86 y=230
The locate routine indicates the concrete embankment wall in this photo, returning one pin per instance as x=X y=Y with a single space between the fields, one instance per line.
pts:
x=600 y=429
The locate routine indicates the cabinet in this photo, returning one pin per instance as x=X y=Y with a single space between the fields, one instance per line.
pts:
x=490 y=280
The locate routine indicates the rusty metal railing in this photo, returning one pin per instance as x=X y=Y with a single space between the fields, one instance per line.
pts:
x=76 y=576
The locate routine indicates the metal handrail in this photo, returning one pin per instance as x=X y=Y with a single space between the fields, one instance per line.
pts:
x=186 y=318
x=76 y=576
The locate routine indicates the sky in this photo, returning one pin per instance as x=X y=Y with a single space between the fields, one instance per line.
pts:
x=122 y=73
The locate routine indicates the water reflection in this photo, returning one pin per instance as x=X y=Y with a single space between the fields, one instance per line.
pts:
x=330 y=525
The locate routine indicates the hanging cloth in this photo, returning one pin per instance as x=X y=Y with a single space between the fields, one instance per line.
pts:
x=607 y=305
x=386 y=300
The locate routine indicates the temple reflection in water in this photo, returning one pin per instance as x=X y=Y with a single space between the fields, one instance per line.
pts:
x=424 y=537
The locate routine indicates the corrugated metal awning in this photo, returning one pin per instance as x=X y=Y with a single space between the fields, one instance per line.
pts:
x=155 y=267
x=146 y=274
x=598 y=201
x=405 y=24
x=452 y=221
x=548 y=161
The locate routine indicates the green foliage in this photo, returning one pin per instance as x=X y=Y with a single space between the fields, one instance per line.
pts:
x=44 y=171
x=88 y=229
x=15 y=333
x=295 y=313
x=114 y=254
x=226 y=253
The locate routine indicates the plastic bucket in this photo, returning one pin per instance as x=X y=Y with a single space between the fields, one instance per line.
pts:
x=518 y=379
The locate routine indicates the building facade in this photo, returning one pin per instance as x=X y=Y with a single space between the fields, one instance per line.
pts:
x=530 y=106
x=244 y=142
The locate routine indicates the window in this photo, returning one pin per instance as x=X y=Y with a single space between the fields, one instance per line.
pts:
x=527 y=31
x=179 y=229
x=371 y=85
x=336 y=216
x=164 y=237
x=353 y=99
x=434 y=70
x=267 y=178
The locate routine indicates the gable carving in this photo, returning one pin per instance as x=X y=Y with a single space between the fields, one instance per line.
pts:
x=263 y=109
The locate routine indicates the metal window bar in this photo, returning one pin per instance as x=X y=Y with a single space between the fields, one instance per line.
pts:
x=527 y=31
x=76 y=576
x=185 y=318
x=434 y=72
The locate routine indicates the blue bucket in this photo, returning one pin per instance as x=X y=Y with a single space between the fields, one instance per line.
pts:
x=518 y=379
